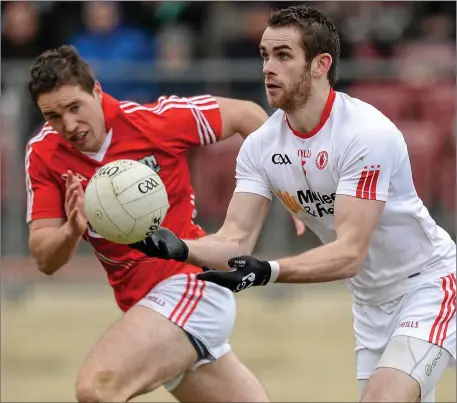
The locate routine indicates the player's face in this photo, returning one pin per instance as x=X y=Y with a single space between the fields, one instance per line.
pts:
x=76 y=115
x=287 y=74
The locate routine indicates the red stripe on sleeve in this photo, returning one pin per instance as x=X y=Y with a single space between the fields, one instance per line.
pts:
x=367 y=185
x=373 y=185
x=363 y=176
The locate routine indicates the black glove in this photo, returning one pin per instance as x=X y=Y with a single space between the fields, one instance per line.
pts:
x=164 y=245
x=247 y=272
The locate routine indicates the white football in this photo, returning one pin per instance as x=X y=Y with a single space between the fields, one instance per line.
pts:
x=125 y=201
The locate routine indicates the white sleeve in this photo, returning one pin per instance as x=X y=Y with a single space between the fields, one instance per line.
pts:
x=366 y=165
x=248 y=176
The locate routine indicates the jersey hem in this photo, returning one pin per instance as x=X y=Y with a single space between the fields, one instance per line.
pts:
x=42 y=217
x=402 y=289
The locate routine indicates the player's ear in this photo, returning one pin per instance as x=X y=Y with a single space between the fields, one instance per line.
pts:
x=321 y=65
x=98 y=92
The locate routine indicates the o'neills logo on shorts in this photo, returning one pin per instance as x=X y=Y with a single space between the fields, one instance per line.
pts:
x=409 y=323
x=313 y=203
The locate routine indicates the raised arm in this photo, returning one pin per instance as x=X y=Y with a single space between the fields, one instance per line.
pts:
x=52 y=243
x=52 y=239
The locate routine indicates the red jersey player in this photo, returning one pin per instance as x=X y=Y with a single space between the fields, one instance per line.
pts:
x=173 y=322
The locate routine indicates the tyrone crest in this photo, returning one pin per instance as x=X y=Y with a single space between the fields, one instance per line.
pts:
x=322 y=160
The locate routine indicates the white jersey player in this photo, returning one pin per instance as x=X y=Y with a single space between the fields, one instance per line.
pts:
x=342 y=167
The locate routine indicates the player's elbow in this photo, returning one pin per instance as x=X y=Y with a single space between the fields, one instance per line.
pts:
x=245 y=248
x=354 y=257
x=351 y=270
x=242 y=243
x=48 y=267
x=44 y=263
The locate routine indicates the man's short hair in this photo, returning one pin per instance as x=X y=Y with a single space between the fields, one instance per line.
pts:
x=318 y=33
x=58 y=67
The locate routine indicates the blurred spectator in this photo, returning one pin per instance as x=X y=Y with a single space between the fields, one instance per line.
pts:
x=253 y=22
x=23 y=35
x=113 y=48
x=430 y=56
x=176 y=45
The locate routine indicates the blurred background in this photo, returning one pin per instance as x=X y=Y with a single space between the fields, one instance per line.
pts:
x=398 y=56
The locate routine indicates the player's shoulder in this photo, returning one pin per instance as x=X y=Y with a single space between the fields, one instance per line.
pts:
x=263 y=136
x=357 y=120
x=45 y=142
x=167 y=106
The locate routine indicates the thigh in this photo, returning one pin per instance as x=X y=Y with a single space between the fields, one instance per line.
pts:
x=224 y=380
x=137 y=354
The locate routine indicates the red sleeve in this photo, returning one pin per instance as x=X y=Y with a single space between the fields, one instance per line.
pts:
x=185 y=122
x=44 y=198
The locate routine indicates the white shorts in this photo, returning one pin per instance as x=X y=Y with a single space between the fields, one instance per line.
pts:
x=204 y=310
x=428 y=312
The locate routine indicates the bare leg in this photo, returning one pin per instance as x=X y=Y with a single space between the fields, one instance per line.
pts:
x=137 y=354
x=225 y=380
x=391 y=385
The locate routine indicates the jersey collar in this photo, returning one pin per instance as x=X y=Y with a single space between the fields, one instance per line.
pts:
x=324 y=117
x=110 y=107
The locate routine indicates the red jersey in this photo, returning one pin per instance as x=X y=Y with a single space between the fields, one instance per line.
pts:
x=158 y=135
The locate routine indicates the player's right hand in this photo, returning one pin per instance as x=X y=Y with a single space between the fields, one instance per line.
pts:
x=163 y=244
x=74 y=205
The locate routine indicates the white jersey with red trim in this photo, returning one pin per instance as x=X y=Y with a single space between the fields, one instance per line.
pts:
x=355 y=151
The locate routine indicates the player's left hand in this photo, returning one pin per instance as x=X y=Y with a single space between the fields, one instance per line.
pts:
x=246 y=272
x=300 y=227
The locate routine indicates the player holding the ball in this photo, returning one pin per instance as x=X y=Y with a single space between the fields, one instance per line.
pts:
x=173 y=322
x=348 y=176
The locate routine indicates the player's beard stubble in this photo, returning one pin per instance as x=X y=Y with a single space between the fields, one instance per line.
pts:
x=296 y=94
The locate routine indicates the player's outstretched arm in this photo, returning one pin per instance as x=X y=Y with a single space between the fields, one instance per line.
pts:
x=239 y=116
x=355 y=222
x=238 y=235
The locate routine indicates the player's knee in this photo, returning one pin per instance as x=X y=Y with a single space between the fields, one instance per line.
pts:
x=101 y=386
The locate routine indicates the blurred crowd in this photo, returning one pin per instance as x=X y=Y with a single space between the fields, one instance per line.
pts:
x=409 y=48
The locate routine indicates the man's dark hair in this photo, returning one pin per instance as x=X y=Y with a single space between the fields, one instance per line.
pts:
x=58 y=67
x=319 y=34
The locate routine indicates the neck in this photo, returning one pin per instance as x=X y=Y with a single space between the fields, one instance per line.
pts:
x=308 y=116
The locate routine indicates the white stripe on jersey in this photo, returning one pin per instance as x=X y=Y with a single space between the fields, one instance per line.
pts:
x=196 y=104
x=47 y=129
x=203 y=137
